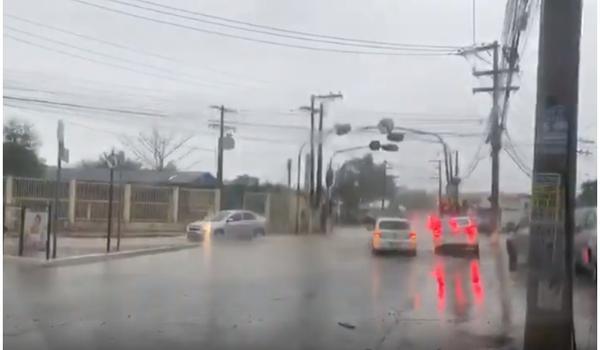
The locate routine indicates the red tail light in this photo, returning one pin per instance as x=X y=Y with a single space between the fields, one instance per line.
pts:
x=412 y=235
x=377 y=234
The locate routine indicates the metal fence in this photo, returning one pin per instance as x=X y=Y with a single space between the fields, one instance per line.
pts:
x=91 y=201
x=37 y=193
x=256 y=202
x=150 y=203
x=195 y=204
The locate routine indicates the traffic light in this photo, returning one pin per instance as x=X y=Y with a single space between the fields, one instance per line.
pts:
x=375 y=145
x=395 y=137
x=342 y=129
x=390 y=147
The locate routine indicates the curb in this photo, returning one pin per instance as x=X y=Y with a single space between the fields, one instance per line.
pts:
x=91 y=258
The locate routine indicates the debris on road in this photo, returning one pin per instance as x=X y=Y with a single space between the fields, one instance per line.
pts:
x=346 y=325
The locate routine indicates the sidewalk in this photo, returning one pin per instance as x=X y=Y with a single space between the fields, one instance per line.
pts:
x=76 y=246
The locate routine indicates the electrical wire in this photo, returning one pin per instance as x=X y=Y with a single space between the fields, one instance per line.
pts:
x=93 y=60
x=112 y=57
x=120 y=46
x=414 y=47
x=276 y=29
x=250 y=39
x=523 y=170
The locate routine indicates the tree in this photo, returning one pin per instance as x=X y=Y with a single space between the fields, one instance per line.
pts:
x=21 y=133
x=20 y=150
x=158 y=151
x=122 y=162
x=361 y=180
x=587 y=197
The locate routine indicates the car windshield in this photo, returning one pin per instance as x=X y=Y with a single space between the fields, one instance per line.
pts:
x=220 y=216
x=315 y=174
x=393 y=225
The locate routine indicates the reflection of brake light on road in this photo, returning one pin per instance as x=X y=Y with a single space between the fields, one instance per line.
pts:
x=435 y=226
x=458 y=290
x=476 y=282
x=438 y=274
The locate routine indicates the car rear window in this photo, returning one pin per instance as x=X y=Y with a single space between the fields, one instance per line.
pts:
x=462 y=222
x=393 y=225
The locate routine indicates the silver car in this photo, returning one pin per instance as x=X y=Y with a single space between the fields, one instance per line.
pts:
x=393 y=234
x=584 y=242
x=227 y=223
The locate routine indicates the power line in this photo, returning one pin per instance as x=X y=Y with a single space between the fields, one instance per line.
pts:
x=269 y=42
x=117 y=45
x=278 y=33
x=520 y=166
x=101 y=54
x=84 y=58
x=74 y=105
x=276 y=29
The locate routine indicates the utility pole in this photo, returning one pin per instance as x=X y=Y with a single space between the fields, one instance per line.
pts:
x=320 y=158
x=495 y=136
x=549 y=315
x=289 y=172
x=439 y=178
x=222 y=110
x=384 y=185
x=312 y=150
x=63 y=154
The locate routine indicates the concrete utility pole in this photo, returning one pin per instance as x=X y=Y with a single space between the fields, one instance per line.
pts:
x=495 y=136
x=320 y=158
x=289 y=172
x=549 y=317
x=222 y=110
x=384 y=183
x=439 y=178
x=63 y=155
x=312 y=149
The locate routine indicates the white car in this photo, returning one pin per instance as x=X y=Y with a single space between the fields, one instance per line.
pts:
x=227 y=223
x=393 y=234
x=454 y=232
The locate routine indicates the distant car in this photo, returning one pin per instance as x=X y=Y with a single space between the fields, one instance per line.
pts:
x=584 y=242
x=454 y=232
x=228 y=223
x=393 y=234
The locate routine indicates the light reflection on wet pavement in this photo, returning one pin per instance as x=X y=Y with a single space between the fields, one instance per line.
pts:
x=285 y=292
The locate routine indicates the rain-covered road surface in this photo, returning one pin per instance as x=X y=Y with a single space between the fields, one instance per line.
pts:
x=276 y=292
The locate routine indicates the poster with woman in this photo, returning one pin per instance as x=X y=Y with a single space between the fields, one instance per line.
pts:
x=36 y=224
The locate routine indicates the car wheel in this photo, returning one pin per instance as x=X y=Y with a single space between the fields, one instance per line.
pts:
x=437 y=250
x=258 y=232
x=413 y=253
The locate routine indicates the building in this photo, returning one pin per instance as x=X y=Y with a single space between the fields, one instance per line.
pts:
x=196 y=179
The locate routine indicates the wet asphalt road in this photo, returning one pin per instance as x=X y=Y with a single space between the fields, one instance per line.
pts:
x=276 y=292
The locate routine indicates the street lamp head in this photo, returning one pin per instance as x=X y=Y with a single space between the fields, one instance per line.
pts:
x=342 y=129
x=395 y=137
x=390 y=147
x=386 y=125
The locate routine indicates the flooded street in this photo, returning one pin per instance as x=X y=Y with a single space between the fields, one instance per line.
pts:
x=292 y=292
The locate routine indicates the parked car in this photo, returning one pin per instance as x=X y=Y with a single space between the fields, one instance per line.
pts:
x=584 y=242
x=393 y=234
x=227 y=223
x=454 y=233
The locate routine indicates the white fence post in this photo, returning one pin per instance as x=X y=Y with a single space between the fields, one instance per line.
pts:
x=72 y=199
x=175 y=204
x=127 y=203
x=268 y=210
x=217 y=205
x=8 y=190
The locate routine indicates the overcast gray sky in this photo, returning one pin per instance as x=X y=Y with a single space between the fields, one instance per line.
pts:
x=264 y=82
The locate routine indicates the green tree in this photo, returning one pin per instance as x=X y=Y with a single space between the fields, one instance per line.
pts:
x=20 y=150
x=362 y=180
x=587 y=197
